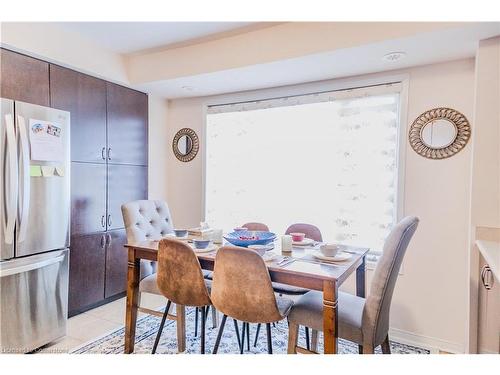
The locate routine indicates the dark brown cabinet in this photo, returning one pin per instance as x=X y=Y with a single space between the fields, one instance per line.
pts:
x=87 y=263
x=127 y=125
x=116 y=263
x=24 y=78
x=125 y=183
x=88 y=198
x=85 y=97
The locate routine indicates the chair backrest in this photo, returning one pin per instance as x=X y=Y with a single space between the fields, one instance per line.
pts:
x=146 y=220
x=378 y=304
x=311 y=231
x=242 y=287
x=256 y=226
x=179 y=274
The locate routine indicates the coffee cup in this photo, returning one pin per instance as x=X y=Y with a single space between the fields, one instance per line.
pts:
x=329 y=250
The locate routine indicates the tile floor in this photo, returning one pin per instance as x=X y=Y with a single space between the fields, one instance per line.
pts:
x=98 y=322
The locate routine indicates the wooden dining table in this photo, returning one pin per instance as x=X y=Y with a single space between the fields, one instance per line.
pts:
x=300 y=269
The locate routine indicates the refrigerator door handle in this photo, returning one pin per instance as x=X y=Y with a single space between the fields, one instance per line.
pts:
x=11 y=178
x=25 y=178
x=31 y=266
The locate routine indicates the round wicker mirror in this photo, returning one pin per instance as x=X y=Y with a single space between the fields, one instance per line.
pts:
x=185 y=144
x=439 y=133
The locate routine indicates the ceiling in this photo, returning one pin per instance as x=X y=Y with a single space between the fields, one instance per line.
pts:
x=421 y=49
x=129 y=37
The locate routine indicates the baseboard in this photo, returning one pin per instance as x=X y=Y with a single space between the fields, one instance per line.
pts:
x=432 y=344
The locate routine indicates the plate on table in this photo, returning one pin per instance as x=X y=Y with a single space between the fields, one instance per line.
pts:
x=304 y=242
x=174 y=237
x=269 y=257
x=208 y=249
x=339 y=257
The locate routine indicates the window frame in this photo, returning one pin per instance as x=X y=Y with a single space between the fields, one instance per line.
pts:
x=312 y=88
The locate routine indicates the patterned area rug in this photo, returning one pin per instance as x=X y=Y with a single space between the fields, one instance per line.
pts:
x=147 y=327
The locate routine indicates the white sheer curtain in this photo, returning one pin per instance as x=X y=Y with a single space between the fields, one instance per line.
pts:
x=329 y=160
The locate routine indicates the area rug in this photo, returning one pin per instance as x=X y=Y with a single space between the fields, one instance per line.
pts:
x=147 y=327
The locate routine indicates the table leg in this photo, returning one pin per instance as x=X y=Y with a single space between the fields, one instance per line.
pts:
x=133 y=274
x=181 y=327
x=330 y=318
x=360 y=279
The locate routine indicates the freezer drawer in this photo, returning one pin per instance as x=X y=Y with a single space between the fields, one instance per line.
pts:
x=33 y=301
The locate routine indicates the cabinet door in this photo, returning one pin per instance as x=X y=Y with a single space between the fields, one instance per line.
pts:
x=86 y=271
x=24 y=78
x=125 y=183
x=85 y=97
x=488 y=312
x=116 y=262
x=88 y=198
x=127 y=125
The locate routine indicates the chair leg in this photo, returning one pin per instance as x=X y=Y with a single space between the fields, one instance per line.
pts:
x=215 y=317
x=314 y=340
x=293 y=336
x=248 y=336
x=237 y=330
x=360 y=349
x=203 y=323
x=386 y=346
x=196 y=322
x=164 y=317
x=307 y=338
x=269 y=339
x=242 y=347
x=219 y=335
x=257 y=335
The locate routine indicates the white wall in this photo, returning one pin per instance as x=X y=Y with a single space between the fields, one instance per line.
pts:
x=430 y=300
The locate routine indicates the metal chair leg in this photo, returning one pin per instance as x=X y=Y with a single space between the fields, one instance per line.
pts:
x=269 y=339
x=307 y=338
x=248 y=336
x=164 y=317
x=237 y=333
x=203 y=323
x=256 y=335
x=219 y=335
x=196 y=322
x=242 y=348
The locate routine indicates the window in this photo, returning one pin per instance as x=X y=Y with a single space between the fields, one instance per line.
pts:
x=329 y=159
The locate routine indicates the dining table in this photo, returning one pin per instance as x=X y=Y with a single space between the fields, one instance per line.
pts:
x=299 y=268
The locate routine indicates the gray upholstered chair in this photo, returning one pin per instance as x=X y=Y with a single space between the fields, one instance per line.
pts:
x=147 y=220
x=181 y=281
x=240 y=269
x=363 y=321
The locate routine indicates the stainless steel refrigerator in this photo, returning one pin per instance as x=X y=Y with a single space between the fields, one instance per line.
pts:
x=34 y=228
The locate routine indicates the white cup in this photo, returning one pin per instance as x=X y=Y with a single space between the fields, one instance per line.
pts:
x=286 y=243
x=329 y=250
x=217 y=235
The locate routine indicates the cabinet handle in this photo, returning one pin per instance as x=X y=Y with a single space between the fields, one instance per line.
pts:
x=485 y=277
x=110 y=222
x=103 y=221
x=108 y=239
x=109 y=153
x=103 y=153
x=103 y=241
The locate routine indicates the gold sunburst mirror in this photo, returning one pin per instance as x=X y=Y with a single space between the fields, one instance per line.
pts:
x=185 y=144
x=439 y=133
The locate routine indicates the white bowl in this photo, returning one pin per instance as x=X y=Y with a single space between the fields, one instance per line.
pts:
x=329 y=250
x=261 y=249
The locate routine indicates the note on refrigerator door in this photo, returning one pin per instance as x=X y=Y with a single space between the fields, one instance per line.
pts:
x=45 y=140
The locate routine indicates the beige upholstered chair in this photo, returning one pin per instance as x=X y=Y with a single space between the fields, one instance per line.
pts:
x=256 y=226
x=242 y=290
x=363 y=321
x=311 y=231
x=181 y=281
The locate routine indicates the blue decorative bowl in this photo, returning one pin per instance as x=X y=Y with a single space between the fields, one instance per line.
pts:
x=263 y=238
x=201 y=244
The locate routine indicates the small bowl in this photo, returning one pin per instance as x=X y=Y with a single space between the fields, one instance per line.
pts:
x=180 y=232
x=240 y=229
x=329 y=250
x=201 y=244
x=261 y=249
x=298 y=237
